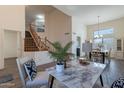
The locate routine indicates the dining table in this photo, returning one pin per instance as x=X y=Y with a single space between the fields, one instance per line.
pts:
x=78 y=75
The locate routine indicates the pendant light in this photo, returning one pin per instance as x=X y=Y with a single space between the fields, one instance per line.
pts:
x=98 y=36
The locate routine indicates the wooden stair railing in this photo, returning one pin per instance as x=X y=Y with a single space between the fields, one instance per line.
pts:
x=41 y=46
x=41 y=43
x=49 y=44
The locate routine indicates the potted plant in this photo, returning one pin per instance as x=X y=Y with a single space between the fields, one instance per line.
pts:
x=60 y=54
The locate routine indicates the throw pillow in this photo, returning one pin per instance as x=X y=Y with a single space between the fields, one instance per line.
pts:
x=31 y=69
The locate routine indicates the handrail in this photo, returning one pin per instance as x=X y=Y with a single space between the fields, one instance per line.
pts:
x=35 y=38
x=50 y=44
x=41 y=43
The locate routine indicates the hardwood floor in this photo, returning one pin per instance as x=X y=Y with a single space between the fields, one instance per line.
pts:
x=11 y=68
x=113 y=71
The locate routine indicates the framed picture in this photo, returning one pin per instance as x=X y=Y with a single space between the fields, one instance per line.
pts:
x=40 y=29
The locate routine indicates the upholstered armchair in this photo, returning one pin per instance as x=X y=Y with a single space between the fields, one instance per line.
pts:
x=41 y=79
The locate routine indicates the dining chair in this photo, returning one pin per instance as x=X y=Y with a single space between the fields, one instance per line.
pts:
x=108 y=56
x=41 y=79
x=97 y=57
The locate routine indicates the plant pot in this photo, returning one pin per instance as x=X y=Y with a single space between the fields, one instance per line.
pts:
x=59 y=68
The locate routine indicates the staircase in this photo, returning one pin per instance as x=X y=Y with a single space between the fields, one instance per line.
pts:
x=29 y=43
x=33 y=42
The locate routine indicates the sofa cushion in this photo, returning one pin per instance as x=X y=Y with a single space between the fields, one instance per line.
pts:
x=40 y=80
x=31 y=69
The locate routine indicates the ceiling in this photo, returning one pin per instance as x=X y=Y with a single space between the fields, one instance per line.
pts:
x=88 y=14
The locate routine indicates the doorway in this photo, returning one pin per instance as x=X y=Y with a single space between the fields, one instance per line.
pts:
x=12 y=44
x=12 y=48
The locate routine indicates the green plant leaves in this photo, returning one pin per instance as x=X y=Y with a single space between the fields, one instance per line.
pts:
x=60 y=52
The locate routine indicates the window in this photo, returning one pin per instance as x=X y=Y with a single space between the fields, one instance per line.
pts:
x=106 y=42
x=104 y=32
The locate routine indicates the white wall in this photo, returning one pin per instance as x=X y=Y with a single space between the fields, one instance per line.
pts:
x=80 y=30
x=11 y=18
x=40 y=57
x=10 y=44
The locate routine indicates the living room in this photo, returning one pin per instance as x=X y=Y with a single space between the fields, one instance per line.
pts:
x=88 y=29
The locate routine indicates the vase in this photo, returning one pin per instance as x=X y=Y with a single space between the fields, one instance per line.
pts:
x=59 y=68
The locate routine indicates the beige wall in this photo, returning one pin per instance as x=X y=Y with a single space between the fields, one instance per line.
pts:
x=56 y=25
x=11 y=18
x=117 y=25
